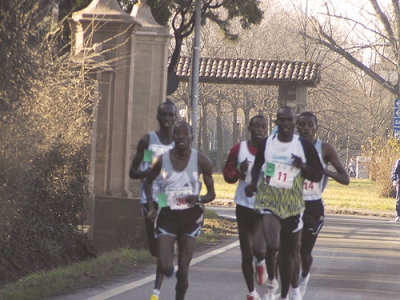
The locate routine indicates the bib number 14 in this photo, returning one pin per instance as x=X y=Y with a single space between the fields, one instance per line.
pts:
x=308 y=185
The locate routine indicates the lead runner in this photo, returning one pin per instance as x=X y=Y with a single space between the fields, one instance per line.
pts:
x=285 y=160
x=179 y=217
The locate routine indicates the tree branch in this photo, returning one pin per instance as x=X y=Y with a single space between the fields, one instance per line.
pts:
x=331 y=44
x=386 y=24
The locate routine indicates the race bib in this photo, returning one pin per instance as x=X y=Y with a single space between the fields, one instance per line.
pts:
x=248 y=173
x=176 y=197
x=281 y=175
x=310 y=188
x=159 y=149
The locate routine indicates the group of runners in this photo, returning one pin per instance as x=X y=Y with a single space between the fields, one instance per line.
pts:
x=275 y=174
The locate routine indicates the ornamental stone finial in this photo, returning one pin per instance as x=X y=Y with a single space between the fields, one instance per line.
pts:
x=109 y=9
x=142 y=13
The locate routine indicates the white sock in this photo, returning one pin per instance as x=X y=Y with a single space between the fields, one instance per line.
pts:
x=260 y=263
x=296 y=290
x=156 y=292
x=253 y=293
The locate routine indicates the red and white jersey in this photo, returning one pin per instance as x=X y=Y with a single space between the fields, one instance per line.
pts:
x=240 y=196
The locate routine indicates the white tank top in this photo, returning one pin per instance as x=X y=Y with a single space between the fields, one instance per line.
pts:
x=278 y=161
x=313 y=190
x=177 y=184
x=240 y=196
x=155 y=149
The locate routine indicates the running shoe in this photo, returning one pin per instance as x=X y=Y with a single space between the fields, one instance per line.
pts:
x=272 y=289
x=153 y=297
x=261 y=274
x=295 y=294
x=256 y=297
x=397 y=219
x=303 y=281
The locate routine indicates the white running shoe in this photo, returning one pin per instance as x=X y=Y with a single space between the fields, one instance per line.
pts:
x=256 y=296
x=261 y=273
x=295 y=294
x=272 y=289
x=397 y=219
x=303 y=281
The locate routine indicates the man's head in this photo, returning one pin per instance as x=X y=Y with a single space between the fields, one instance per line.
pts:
x=182 y=135
x=307 y=125
x=166 y=114
x=286 y=121
x=258 y=128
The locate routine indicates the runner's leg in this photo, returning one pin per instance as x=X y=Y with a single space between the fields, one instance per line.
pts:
x=307 y=244
x=186 y=246
x=152 y=243
x=271 y=229
x=246 y=235
x=165 y=263
x=287 y=254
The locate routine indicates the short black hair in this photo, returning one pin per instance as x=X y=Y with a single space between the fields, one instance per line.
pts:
x=167 y=102
x=257 y=117
x=184 y=123
x=308 y=114
x=285 y=107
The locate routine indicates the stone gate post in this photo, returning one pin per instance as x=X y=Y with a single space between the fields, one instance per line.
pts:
x=128 y=54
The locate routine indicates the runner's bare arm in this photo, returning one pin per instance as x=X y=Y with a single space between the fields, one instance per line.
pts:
x=135 y=172
x=148 y=189
x=330 y=156
x=258 y=163
x=205 y=168
x=313 y=170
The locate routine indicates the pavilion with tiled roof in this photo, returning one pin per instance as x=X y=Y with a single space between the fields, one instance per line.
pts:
x=292 y=77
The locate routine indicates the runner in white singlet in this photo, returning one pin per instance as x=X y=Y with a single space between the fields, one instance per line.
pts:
x=314 y=215
x=283 y=161
x=150 y=146
x=179 y=216
x=238 y=169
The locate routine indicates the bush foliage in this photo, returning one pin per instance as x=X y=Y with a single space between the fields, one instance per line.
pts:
x=45 y=117
x=383 y=154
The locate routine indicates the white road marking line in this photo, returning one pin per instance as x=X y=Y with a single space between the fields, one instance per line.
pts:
x=130 y=286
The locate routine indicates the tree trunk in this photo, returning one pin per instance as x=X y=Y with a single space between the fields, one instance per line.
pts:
x=200 y=130
x=246 y=123
x=271 y=122
x=176 y=54
x=220 y=140
x=205 y=143
x=235 y=127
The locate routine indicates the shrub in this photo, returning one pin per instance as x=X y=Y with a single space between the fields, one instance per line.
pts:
x=383 y=154
x=45 y=119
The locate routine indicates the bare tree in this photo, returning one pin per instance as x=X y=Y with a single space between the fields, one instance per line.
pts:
x=375 y=32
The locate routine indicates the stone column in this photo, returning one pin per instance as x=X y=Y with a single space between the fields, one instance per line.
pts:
x=128 y=55
x=104 y=25
x=149 y=82
x=293 y=96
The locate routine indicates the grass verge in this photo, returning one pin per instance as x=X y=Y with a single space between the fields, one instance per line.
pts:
x=107 y=266
x=360 y=197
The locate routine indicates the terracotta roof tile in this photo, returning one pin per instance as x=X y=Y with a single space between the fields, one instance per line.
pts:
x=252 y=71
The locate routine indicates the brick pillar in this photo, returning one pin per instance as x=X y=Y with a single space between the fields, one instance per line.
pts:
x=293 y=96
x=128 y=55
x=149 y=85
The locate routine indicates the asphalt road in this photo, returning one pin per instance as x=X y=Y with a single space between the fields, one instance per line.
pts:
x=354 y=258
